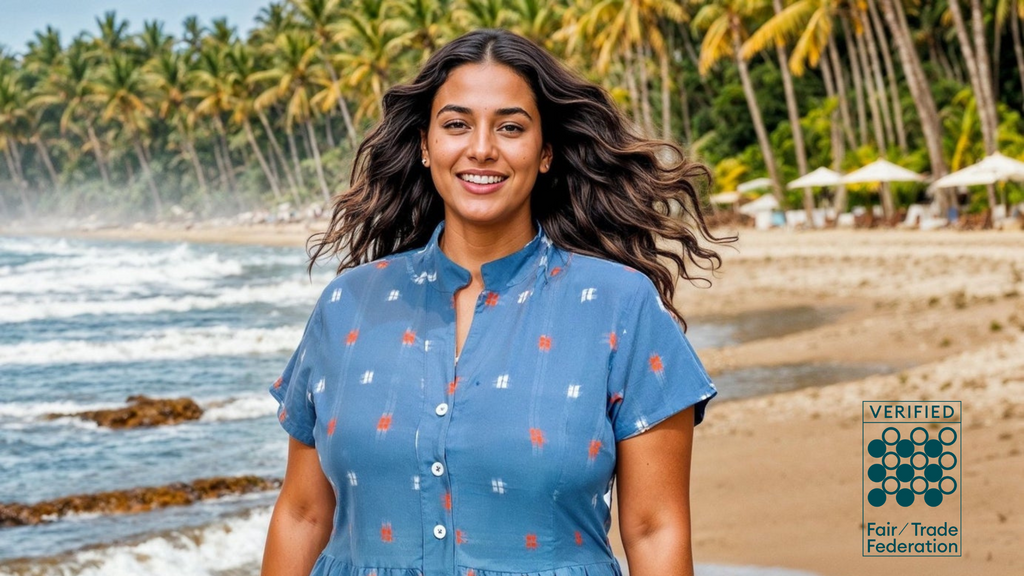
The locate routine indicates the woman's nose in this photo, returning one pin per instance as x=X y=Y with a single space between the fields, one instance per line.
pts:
x=481 y=147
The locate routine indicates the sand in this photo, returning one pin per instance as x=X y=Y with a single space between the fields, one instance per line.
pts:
x=777 y=479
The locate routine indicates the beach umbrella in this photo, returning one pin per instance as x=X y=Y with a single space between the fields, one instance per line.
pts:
x=765 y=203
x=755 y=184
x=819 y=177
x=882 y=171
x=994 y=168
x=725 y=198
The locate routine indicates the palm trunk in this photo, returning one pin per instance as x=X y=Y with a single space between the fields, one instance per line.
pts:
x=840 y=78
x=666 y=102
x=94 y=143
x=18 y=164
x=147 y=174
x=274 y=186
x=316 y=159
x=755 y=112
x=984 y=71
x=792 y=108
x=869 y=55
x=919 y=90
x=226 y=152
x=47 y=162
x=857 y=72
x=342 y=105
x=328 y=132
x=876 y=31
x=190 y=149
x=684 y=97
x=645 y=89
x=1018 y=51
x=279 y=153
x=975 y=74
x=20 y=184
x=295 y=157
x=634 y=94
x=835 y=133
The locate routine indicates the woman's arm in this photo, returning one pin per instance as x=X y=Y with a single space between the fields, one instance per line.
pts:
x=303 y=516
x=653 y=473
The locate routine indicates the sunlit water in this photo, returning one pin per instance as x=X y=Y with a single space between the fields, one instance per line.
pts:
x=85 y=324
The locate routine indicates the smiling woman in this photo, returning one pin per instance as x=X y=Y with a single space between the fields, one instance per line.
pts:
x=500 y=344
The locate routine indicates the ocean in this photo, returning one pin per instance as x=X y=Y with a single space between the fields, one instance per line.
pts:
x=86 y=323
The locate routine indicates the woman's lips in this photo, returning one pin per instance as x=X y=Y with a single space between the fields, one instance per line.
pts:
x=481 y=188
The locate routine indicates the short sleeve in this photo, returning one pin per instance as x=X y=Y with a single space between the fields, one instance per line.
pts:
x=292 y=390
x=655 y=372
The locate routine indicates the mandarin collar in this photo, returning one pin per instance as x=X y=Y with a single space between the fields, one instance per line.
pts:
x=434 y=266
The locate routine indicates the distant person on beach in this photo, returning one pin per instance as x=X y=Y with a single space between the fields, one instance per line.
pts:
x=500 y=343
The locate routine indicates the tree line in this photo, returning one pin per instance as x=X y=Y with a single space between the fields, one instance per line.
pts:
x=134 y=121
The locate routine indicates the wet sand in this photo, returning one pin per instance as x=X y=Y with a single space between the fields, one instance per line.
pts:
x=777 y=478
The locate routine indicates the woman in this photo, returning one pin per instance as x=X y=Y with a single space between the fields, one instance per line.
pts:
x=500 y=340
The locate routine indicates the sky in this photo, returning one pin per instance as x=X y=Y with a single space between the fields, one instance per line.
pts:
x=19 y=19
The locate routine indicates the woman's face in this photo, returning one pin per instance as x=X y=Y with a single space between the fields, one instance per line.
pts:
x=484 y=145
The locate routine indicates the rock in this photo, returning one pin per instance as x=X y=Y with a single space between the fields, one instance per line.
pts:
x=143 y=411
x=133 y=500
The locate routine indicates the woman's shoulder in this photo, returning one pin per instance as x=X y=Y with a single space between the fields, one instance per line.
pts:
x=610 y=276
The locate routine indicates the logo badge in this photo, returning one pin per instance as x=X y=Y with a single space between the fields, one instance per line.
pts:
x=911 y=478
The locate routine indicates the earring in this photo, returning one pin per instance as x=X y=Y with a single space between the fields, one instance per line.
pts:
x=424 y=160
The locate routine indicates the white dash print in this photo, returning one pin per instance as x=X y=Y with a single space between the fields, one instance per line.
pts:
x=352 y=479
x=641 y=424
x=574 y=391
x=320 y=386
x=367 y=377
x=426 y=345
x=502 y=381
x=393 y=295
x=336 y=295
x=588 y=294
x=415 y=482
x=498 y=485
x=523 y=296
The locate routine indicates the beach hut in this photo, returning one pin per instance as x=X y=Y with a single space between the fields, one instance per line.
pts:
x=882 y=171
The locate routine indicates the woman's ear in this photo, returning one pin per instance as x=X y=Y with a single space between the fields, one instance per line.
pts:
x=546 y=156
x=424 y=155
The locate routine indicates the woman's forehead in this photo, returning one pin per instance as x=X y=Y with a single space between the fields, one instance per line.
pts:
x=484 y=88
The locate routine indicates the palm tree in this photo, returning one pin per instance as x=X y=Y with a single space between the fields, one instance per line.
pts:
x=373 y=42
x=323 y=16
x=70 y=90
x=211 y=87
x=293 y=76
x=242 y=65
x=168 y=76
x=423 y=26
x=757 y=43
x=120 y=89
x=13 y=121
x=725 y=34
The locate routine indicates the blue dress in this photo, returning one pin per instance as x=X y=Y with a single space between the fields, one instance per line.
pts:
x=502 y=462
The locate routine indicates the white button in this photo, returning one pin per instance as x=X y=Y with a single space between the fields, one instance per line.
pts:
x=441 y=409
x=439 y=531
x=437 y=469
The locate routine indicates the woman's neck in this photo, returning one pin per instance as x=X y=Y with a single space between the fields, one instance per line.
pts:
x=472 y=246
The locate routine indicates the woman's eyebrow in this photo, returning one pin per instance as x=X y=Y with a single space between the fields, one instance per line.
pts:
x=499 y=112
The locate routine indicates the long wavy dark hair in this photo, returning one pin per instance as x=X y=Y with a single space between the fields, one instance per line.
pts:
x=609 y=193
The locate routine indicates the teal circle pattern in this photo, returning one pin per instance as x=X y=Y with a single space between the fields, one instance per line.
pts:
x=876 y=448
x=933 y=497
x=905 y=497
x=876 y=473
x=877 y=497
x=932 y=448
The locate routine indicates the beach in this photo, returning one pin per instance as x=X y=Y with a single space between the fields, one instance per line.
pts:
x=777 y=478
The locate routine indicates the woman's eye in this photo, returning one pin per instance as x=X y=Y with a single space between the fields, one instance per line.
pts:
x=457 y=124
x=511 y=128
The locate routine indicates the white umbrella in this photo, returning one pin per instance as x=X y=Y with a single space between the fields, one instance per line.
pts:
x=725 y=198
x=994 y=168
x=819 y=177
x=882 y=171
x=754 y=184
x=765 y=203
